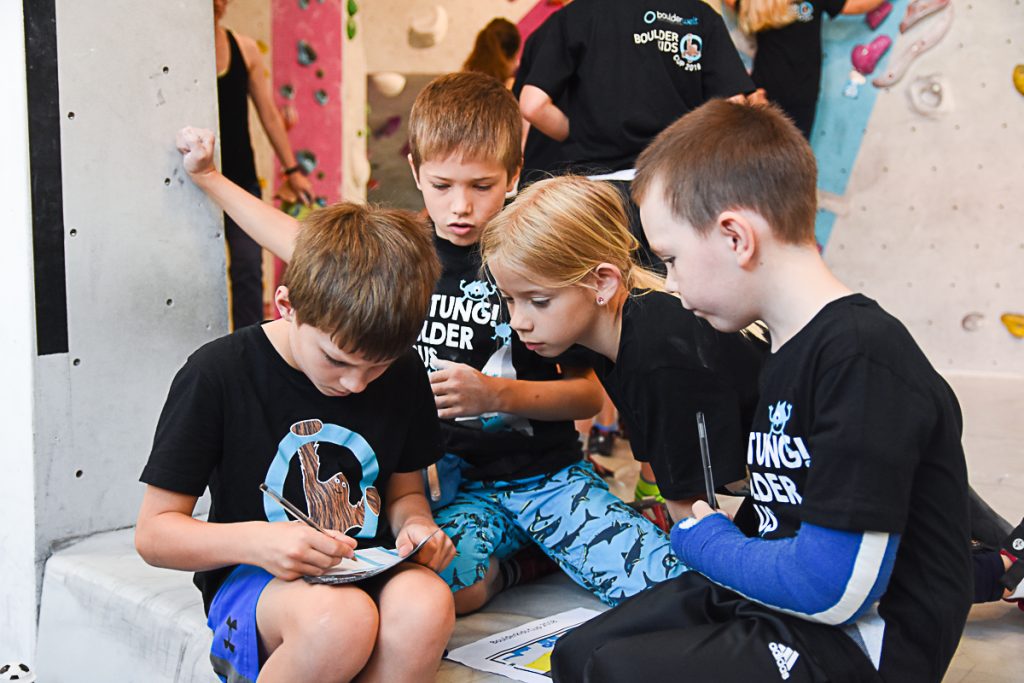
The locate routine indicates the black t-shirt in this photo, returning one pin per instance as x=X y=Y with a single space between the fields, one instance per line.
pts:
x=232 y=420
x=542 y=156
x=788 y=59
x=467 y=324
x=630 y=70
x=670 y=365
x=856 y=431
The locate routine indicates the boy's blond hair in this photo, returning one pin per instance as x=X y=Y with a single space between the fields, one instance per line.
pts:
x=724 y=156
x=469 y=115
x=364 y=275
x=560 y=229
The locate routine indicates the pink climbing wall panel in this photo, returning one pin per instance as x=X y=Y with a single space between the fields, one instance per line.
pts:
x=308 y=40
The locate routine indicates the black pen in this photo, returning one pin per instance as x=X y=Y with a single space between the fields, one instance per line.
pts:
x=705 y=458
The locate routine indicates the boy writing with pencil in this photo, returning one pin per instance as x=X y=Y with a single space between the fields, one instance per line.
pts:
x=329 y=407
x=849 y=562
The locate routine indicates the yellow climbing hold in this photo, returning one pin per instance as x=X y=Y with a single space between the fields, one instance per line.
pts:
x=1018 y=78
x=1014 y=323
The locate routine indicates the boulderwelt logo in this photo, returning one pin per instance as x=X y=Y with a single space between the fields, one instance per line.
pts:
x=685 y=51
x=651 y=16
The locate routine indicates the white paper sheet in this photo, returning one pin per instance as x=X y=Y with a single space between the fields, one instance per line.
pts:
x=522 y=653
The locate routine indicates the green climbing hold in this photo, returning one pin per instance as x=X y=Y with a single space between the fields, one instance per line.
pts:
x=303 y=4
x=319 y=73
x=321 y=97
x=350 y=28
x=352 y=8
x=287 y=91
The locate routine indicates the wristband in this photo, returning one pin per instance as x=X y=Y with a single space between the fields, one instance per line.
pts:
x=292 y=169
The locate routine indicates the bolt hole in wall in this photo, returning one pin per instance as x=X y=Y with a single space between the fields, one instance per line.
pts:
x=76 y=362
x=167 y=181
x=71 y=115
x=170 y=302
x=78 y=474
x=73 y=232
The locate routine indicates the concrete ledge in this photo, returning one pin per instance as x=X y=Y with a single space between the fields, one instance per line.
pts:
x=108 y=616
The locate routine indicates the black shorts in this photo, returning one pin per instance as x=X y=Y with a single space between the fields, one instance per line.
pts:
x=692 y=630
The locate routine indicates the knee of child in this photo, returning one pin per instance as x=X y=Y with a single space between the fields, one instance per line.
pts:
x=432 y=604
x=329 y=614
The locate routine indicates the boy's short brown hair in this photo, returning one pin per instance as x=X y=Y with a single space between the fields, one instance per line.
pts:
x=470 y=115
x=364 y=275
x=724 y=156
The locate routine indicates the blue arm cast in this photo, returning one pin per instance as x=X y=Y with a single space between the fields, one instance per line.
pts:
x=821 y=574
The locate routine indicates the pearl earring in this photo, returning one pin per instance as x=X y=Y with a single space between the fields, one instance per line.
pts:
x=600 y=301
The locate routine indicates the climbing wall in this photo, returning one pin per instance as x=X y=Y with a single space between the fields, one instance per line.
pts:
x=922 y=204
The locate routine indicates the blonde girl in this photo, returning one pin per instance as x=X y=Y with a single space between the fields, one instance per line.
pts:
x=562 y=258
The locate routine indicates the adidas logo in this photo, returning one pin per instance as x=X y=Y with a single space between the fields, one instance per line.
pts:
x=785 y=658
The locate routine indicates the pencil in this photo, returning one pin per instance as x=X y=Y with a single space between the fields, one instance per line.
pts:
x=290 y=507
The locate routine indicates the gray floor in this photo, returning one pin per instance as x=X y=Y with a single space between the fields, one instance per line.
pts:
x=992 y=648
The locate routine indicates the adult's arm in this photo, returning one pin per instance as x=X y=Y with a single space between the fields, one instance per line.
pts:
x=261 y=92
x=540 y=111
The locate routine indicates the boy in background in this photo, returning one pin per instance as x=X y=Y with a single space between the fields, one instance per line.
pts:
x=850 y=560
x=330 y=407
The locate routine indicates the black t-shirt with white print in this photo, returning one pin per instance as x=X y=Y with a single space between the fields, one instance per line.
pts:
x=238 y=415
x=631 y=69
x=788 y=60
x=466 y=324
x=856 y=431
x=670 y=365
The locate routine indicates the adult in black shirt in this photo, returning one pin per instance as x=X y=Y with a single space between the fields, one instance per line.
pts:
x=787 y=65
x=629 y=70
x=542 y=155
x=241 y=75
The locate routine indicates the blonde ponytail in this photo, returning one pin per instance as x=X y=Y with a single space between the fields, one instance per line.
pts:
x=758 y=15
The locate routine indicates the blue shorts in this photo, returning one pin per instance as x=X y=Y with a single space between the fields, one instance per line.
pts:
x=599 y=541
x=235 y=653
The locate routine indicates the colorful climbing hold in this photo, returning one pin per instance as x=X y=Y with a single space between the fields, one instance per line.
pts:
x=306 y=53
x=875 y=17
x=1018 y=78
x=305 y=159
x=865 y=57
x=389 y=127
x=303 y=4
x=1014 y=323
x=287 y=91
x=321 y=97
x=351 y=8
x=350 y=28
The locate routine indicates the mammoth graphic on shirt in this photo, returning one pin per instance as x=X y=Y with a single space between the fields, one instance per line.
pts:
x=327 y=501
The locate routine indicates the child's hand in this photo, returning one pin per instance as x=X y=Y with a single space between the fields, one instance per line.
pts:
x=460 y=390
x=437 y=552
x=701 y=510
x=290 y=550
x=196 y=147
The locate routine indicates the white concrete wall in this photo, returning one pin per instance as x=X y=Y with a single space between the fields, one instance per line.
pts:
x=17 y=349
x=144 y=265
x=386 y=23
